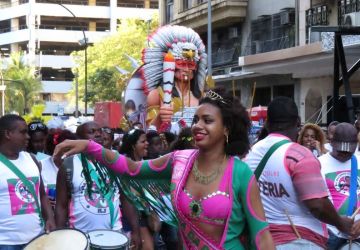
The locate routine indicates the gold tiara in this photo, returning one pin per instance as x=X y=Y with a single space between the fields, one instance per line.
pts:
x=215 y=96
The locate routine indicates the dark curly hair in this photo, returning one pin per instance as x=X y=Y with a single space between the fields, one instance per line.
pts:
x=184 y=141
x=128 y=142
x=57 y=136
x=236 y=119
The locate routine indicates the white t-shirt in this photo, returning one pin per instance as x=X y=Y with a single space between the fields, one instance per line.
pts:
x=337 y=178
x=357 y=151
x=91 y=213
x=19 y=221
x=328 y=147
x=49 y=173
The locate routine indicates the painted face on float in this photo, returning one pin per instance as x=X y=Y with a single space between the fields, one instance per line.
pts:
x=186 y=66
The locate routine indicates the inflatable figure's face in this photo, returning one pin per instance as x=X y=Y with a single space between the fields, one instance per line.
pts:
x=185 y=67
x=184 y=74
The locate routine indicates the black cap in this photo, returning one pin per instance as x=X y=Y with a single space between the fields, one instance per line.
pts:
x=345 y=138
x=282 y=109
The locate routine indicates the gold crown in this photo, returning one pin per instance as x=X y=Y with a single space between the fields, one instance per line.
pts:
x=215 y=96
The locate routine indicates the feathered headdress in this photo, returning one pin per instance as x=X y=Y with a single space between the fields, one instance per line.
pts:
x=177 y=40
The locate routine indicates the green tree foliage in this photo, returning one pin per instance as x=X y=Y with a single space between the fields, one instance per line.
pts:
x=23 y=87
x=103 y=85
x=104 y=82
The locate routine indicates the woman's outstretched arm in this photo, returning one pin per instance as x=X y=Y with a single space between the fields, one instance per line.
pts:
x=115 y=161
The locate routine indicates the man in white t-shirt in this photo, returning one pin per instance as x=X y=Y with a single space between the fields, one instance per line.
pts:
x=23 y=201
x=292 y=190
x=87 y=208
x=84 y=206
x=336 y=170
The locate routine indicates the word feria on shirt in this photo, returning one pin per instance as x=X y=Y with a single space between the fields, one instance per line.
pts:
x=272 y=189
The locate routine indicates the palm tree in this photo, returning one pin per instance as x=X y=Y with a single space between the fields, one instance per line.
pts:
x=23 y=89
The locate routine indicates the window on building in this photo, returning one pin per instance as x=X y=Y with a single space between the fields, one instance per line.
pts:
x=187 y=4
x=262 y=96
x=169 y=10
x=46 y=97
x=273 y=32
x=284 y=90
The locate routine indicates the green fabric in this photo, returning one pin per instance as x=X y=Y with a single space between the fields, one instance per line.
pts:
x=101 y=185
x=259 y=169
x=151 y=187
x=26 y=182
x=241 y=217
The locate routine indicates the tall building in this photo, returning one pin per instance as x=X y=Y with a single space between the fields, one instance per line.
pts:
x=49 y=30
x=269 y=46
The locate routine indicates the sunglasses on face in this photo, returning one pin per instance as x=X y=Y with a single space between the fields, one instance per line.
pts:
x=37 y=126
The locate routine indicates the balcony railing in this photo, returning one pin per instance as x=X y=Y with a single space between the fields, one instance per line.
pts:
x=222 y=57
x=260 y=46
x=317 y=16
x=57 y=52
x=13 y=3
x=75 y=2
x=9 y=29
x=56 y=27
x=345 y=7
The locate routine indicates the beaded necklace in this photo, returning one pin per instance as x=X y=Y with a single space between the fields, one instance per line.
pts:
x=206 y=179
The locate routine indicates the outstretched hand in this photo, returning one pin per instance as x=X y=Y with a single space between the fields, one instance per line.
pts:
x=68 y=148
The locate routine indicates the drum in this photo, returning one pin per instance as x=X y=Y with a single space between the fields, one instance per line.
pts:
x=69 y=239
x=354 y=246
x=107 y=239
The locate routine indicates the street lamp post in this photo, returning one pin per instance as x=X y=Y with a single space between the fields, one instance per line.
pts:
x=209 y=30
x=82 y=42
x=76 y=95
x=2 y=87
x=85 y=62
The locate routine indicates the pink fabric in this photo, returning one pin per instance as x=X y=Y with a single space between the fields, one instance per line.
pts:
x=160 y=168
x=248 y=201
x=211 y=210
x=305 y=173
x=230 y=184
x=258 y=235
x=282 y=234
x=95 y=150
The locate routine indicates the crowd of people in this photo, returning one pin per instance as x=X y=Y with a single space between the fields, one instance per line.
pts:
x=294 y=188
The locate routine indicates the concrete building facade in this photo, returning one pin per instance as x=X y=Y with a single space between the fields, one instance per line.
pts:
x=276 y=52
x=47 y=31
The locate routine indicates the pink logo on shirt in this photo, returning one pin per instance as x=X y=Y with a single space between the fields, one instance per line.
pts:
x=21 y=199
x=95 y=203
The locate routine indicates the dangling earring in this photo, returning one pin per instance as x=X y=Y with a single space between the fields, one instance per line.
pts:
x=227 y=139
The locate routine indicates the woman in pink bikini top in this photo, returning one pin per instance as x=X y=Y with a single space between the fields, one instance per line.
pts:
x=214 y=194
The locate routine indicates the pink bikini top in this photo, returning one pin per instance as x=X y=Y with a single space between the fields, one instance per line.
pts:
x=213 y=208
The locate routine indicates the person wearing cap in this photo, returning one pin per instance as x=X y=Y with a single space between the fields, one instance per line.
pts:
x=293 y=192
x=336 y=168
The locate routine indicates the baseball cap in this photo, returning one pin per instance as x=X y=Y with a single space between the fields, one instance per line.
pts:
x=345 y=138
x=282 y=109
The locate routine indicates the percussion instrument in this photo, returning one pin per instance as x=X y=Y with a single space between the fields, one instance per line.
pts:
x=107 y=239
x=69 y=239
x=354 y=246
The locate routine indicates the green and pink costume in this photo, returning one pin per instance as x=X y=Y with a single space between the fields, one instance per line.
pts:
x=229 y=207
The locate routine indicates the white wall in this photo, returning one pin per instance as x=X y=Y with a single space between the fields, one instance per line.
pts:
x=45 y=9
x=52 y=61
x=321 y=84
